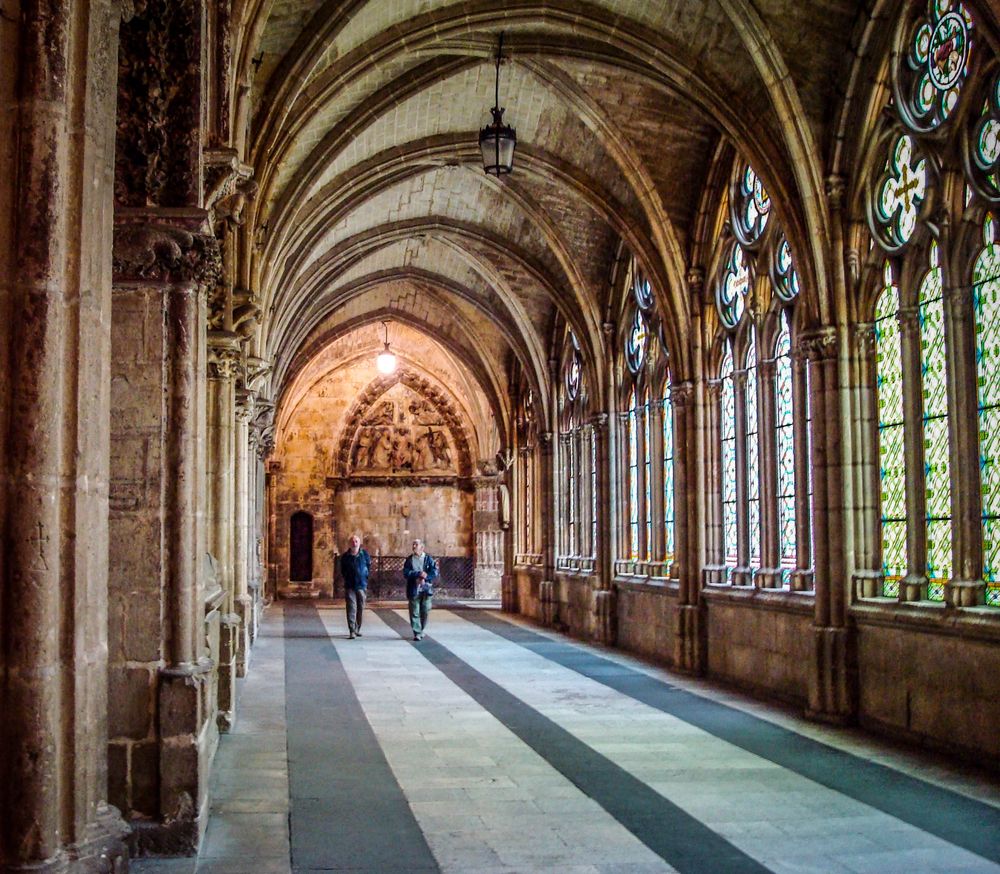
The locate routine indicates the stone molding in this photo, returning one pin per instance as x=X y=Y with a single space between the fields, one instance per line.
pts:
x=820 y=344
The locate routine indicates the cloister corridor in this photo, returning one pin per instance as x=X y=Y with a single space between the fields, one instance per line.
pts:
x=493 y=745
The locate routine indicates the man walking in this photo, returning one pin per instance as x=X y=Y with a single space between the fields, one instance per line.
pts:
x=354 y=567
x=420 y=571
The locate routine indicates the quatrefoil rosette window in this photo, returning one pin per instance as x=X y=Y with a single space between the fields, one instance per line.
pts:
x=636 y=342
x=573 y=370
x=983 y=146
x=642 y=289
x=733 y=287
x=899 y=196
x=934 y=52
x=750 y=207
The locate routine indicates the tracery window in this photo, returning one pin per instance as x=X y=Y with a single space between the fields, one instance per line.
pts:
x=633 y=478
x=668 y=473
x=892 y=471
x=986 y=304
x=925 y=331
x=646 y=432
x=762 y=472
x=785 y=441
x=577 y=541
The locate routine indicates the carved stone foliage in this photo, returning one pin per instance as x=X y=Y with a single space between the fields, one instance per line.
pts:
x=159 y=105
x=403 y=426
x=165 y=253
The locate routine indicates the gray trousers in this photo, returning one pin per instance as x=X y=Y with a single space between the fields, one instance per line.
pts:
x=355 y=608
x=420 y=606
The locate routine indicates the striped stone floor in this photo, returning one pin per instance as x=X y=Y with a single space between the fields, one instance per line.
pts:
x=492 y=746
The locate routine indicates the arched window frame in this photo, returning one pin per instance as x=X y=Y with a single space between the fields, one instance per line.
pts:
x=941 y=344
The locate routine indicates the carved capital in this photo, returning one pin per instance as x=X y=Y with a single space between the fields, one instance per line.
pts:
x=246 y=312
x=245 y=402
x=599 y=422
x=681 y=393
x=257 y=369
x=713 y=388
x=819 y=345
x=487 y=467
x=909 y=321
x=224 y=355
x=864 y=337
x=151 y=251
x=835 y=186
x=696 y=280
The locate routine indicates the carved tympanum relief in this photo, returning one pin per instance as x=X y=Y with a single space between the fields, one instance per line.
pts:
x=403 y=434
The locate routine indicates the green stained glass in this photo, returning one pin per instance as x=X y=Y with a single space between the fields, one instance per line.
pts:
x=633 y=479
x=727 y=421
x=986 y=305
x=753 y=465
x=892 y=470
x=785 y=443
x=937 y=481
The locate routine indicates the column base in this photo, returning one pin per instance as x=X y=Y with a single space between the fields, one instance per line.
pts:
x=605 y=609
x=103 y=849
x=831 y=681
x=690 y=649
x=546 y=598
x=245 y=611
x=965 y=593
x=230 y=629
x=188 y=738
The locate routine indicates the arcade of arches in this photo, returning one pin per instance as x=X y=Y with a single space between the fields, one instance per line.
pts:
x=711 y=377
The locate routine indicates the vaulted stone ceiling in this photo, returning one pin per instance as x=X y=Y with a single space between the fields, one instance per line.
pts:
x=362 y=121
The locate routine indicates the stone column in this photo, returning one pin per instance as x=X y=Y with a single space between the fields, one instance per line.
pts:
x=966 y=588
x=607 y=527
x=802 y=577
x=868 y=571
x=223 y=366
x=489 y=537
x=742 y=575
x=549 y=498
x=769 y=576
x=831 y=682
x=56 y=154
x=242 y=601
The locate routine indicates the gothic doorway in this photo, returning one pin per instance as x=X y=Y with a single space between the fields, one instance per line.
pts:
x=301 y=551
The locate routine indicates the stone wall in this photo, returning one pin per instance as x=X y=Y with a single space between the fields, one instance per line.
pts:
x=647 y=619
x=933 y=684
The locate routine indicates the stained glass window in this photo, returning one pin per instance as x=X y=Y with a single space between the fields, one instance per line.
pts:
x=573 y=374
x=899 y=194
x=937 y=481
x=930 y=80
x=986 y=302
x=986 y=143
x=785 y=443
x=751 y=206
x=647 y=470
x=641 y=288
x=892 y=469
x=635 y=347
x=593 y=493
x=733 y=289
x=529 y=490
x=787 y=278
x=668 y=474
x=633 y=478
x=727 y=415
x=752 y=457
x=571 y=487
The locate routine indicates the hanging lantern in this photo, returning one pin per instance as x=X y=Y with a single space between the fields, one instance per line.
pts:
x=498 y=140
x=386 y=361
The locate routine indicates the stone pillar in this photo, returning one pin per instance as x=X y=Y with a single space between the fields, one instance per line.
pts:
x=831 y=681
x=605 y=611
x=802 y=577
x=488 y=535
x=549 y=498
x=223 y=366
x=769 y=575
x=966 y=588
x=243 y=603
x=56 y=154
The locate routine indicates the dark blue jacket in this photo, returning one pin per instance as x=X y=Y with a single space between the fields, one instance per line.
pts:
x=412 y=573
x=354 y=569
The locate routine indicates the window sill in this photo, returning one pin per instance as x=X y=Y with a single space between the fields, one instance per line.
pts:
x=653 y=585
x=784 y=600
x=969 y=622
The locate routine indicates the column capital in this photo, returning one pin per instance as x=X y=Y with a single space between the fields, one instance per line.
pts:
x=909 y=321
x=245 y=402
x=695 y=279
x=834 y=186
x=681 y=393
x=599 y=421
x=713 y=388
x=164 y=246
x=864 y=337
x=224 y=355
x=820 y=344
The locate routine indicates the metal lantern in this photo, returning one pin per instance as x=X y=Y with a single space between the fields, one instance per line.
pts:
x=498 y=140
